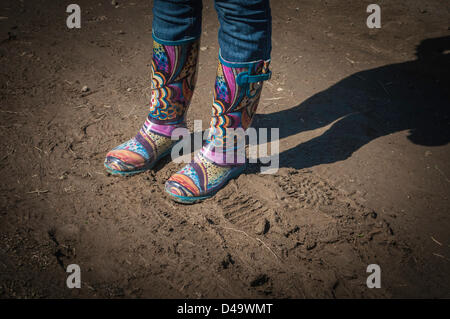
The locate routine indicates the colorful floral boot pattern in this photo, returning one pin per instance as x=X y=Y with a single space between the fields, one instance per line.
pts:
x=236 y=95
x=174 y=72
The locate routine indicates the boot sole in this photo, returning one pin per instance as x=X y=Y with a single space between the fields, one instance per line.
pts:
x=131 y=173
x=196 y=199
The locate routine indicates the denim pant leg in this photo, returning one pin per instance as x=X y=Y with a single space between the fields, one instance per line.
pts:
x=245 y=29
x=177 y=21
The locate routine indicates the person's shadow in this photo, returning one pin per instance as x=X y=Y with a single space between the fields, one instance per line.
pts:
x=410 y=96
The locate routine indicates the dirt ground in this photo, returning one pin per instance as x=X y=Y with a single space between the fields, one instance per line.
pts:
x=364 y=159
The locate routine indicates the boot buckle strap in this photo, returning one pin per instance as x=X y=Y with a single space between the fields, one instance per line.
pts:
x=245 y=78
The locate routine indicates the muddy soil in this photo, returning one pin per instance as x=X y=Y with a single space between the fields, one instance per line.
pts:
x=364 y=159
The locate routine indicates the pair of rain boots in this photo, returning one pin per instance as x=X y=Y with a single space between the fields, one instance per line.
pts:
x=236 y=95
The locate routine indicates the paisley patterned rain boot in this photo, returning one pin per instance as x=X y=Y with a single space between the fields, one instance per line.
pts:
x=236 y=95
x=174 y=73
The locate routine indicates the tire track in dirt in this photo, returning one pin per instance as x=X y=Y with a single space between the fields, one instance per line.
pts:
x=289 y=223
x=185 y=253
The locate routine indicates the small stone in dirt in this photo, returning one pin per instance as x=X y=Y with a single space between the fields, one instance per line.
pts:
x=311 y=245
x=204 y=48
x=373 y=215
x=85 y=89
x=259 y=281
x=129 y=90
x=11 y=36
x=115 y=2
x=294 y=230
x=227 y=261
x=263 y=227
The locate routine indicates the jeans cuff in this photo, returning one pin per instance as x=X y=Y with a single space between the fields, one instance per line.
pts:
x=178 y=42
x=238 y=64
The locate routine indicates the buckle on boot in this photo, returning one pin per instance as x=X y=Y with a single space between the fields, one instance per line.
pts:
x=245 y=78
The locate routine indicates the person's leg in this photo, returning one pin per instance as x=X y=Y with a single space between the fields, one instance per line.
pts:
x=177 y=20
x=245 y=46
x=245 y=32
x=176 y=37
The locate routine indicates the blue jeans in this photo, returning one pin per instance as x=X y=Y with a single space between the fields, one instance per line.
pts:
x=245 y=26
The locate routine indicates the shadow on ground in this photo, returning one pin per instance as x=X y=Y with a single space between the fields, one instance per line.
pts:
x=410 y=96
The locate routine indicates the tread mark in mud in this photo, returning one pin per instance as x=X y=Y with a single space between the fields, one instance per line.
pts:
x=306 y=191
